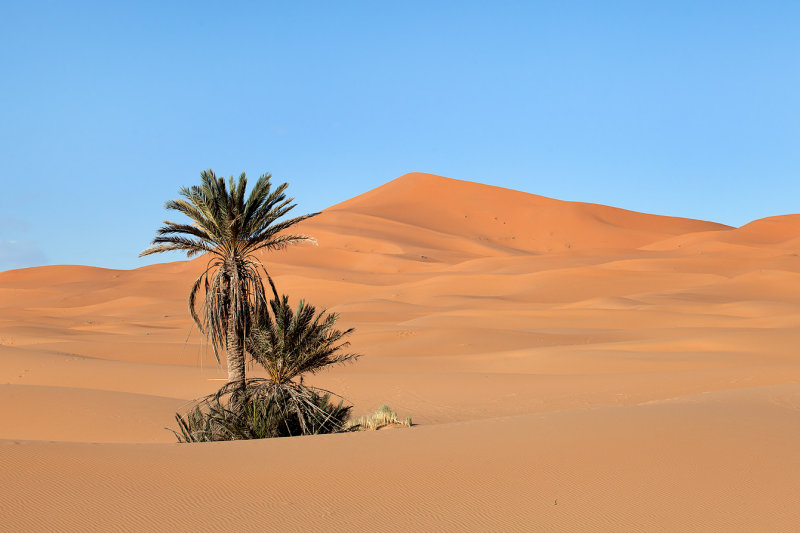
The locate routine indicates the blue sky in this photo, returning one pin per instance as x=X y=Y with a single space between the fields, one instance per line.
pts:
x=106 y=109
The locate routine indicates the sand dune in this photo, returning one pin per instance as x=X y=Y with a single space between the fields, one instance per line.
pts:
x=671 y=466
x=572 y=367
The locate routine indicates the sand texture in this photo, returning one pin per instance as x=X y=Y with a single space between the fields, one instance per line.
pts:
x=569 y=366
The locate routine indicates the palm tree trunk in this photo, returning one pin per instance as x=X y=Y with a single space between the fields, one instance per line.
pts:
x=235 y=353
x=234 y=340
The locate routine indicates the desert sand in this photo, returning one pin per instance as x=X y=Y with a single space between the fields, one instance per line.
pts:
x=569 y=366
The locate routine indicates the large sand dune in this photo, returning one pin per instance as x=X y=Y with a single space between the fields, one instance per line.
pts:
x=571 y=367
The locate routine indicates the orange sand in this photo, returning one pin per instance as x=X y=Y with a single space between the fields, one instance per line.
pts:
x=572 y=367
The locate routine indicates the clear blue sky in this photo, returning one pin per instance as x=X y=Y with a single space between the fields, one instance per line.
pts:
x=106 y=108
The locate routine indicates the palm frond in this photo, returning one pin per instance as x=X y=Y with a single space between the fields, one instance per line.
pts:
x=196 y=209
x=173 y=228
x=282 y=242
x=190 y=247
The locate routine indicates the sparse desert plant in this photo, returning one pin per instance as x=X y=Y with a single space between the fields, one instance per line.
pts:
x=232 y=230
x=383 y=417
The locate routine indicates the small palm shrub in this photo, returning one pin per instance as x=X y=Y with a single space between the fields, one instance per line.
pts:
x=289 y=343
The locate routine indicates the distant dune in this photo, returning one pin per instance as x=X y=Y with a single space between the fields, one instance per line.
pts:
x=571 y=366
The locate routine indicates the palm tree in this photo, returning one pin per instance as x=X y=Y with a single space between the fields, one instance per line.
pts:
x=231 y=230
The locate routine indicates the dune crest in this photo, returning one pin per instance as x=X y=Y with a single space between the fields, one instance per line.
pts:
x=509 y=220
